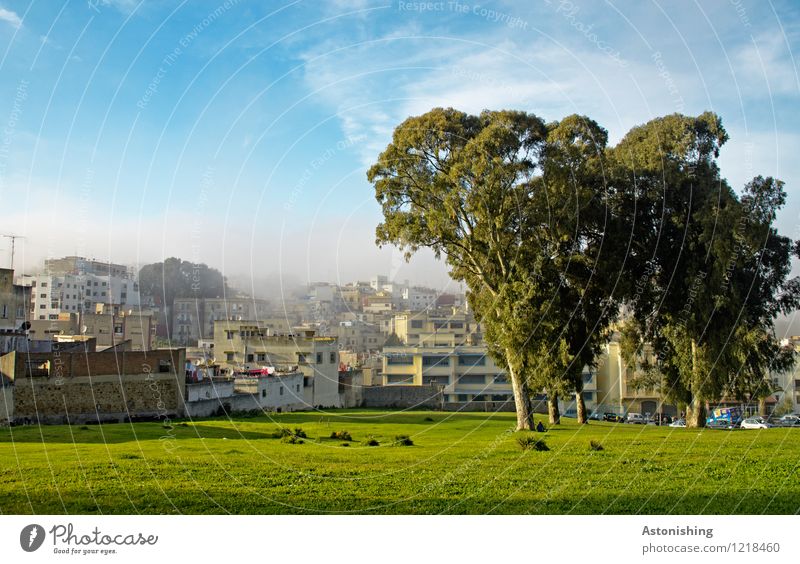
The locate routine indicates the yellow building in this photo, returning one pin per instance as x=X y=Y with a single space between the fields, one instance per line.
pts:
x=437 y=329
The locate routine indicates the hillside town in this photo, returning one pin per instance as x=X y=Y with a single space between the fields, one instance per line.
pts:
x=81 y=343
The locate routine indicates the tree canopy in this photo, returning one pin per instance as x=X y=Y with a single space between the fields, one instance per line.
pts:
x=176 y=278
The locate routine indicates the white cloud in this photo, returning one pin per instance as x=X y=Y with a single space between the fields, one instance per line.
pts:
x=765 y=65
x=10 y=17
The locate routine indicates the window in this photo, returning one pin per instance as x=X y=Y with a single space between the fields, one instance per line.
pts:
x=435 y=361
x=333 y=358
x=42 y=295
x=281 y=392
x=587 y=377
x=229 y=335
x=249 y=358
x=319 y=358
x=5 y=311
x=298 y=388
x=229 y=357
x=463 y=397
x=42 y=306
x=472 y=360
x=588 y=396
x=44 y=285
x=400 y=379
x=500 y=379
x=456 y=325
x=472 y=379
x=416 y=324
x=402 y=359
x=262 y=357
x=263 y=393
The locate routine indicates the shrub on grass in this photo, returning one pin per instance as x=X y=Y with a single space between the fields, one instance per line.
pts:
x=346 y=444
x=529 y=442
x=129 y=456
x=595 y=445
x=341 y=435
x=293 y=440
x=428 y=419
x=298 y=432
x=371 y=441
x=403 y=440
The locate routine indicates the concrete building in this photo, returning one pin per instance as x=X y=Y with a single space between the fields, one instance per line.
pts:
x=14 y=300
x=467 y=373
x=52 y=294
x=359 y=336
x=193 y=319
x=417 y=298
x=437 y=328
x=240 y=346
x=82 y=265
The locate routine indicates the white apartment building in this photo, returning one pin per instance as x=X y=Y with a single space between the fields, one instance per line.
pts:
x=78 y=293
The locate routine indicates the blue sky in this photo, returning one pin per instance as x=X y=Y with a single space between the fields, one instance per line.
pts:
x=238 y=134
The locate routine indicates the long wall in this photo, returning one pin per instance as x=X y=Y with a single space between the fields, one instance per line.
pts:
x=429 y=397
x=104 y=387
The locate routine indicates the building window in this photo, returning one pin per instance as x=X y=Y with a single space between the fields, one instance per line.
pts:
x=435 y=380
x=333 y=358
x=588 y=396
x=298 y=388
x=281 y=392
x=402 y=359
x=472 y=379
x=249 y=358
x=44 y=284
x=435 y=361
x=416 y=324
x=463 y=397
x=456 y=325
x=319 y=358
x=500 y=379
x=263 y=393
x=472 y=360
x=399 y=378
x=229 y=357
x=262 y=357
x=43 y=306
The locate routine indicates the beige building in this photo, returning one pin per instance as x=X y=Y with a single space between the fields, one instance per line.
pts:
x=240 y=346
x=437 y=328
x=14 y=300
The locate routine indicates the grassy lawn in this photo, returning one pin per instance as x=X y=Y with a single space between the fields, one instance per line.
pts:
x=459 y=463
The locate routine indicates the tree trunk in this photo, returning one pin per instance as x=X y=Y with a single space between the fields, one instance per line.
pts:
x=696 y=413
x=552 y=409
x=581 y=407
x=522 y=399
x=762 y=406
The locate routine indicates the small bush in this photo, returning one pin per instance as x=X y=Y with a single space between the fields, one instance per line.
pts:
x=281 y=433
x=298 y=432
x=341 y=435
x=403 y=440
x=346 y=444
x=372 y=441
x=293 y=440
x=594 y=445
x=529 y=442
x=428 y=419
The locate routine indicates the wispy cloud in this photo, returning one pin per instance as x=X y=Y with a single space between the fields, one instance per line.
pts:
x=10 y=17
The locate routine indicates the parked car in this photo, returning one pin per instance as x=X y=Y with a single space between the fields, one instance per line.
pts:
x=634 y=419
x=658 y=419
x=755 y=423
x=596 y=417
x=613 y=417
x=791 y=420
x=678 y=423
x=719 y=424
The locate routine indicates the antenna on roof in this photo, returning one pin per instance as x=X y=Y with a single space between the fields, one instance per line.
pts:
x=13 y=244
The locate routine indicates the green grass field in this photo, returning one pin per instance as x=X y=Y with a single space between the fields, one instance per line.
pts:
x=459 y=463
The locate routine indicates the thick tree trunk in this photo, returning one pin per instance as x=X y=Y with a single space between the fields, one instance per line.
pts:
x=762 y=406
x=696 y=413
x=581 y=407
x=522 y=399
x=552 y=409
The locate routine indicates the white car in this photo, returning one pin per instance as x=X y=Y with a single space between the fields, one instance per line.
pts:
x=635 y=418
x=678 y=423
x=755 y=423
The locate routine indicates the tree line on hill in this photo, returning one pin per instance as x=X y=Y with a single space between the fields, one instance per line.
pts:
x=176 y=278
x=563 y=239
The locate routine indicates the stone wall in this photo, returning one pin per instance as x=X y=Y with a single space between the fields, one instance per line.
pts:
x=428 y=397
x=6 y=404
x=96 y=387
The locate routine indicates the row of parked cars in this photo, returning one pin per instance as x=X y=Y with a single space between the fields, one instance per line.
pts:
x=791 y=420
